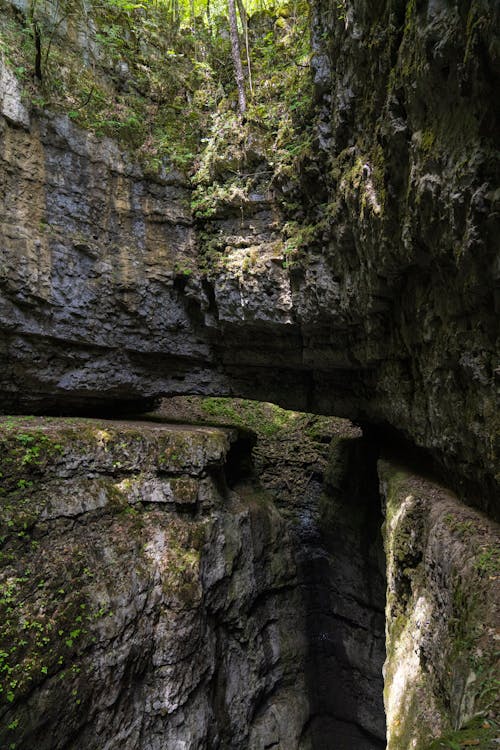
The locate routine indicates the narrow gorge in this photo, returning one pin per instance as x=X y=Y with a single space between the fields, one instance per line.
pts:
x=249 y=370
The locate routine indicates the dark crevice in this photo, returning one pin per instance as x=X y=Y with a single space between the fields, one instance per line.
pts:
x=239 y=468
x=348 y=729
x=345 y=688
x=209 y=290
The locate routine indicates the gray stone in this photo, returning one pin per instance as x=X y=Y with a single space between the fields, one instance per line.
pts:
x=11 y=104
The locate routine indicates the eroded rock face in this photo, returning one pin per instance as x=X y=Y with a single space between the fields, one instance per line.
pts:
x=409 y=264
x=441 y=617
x=321 y=475
x=90 y=249
x=395 y=297
x=164 y=610
x=389 y=314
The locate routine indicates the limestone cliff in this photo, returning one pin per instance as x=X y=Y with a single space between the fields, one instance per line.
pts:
x=165 y=609
x=408 y=129
x=154 y=581
x=171 y=594
x=384 y=310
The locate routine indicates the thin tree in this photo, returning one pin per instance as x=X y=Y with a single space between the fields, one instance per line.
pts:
x=244 y=22
x=235 y=51
x=37 y=38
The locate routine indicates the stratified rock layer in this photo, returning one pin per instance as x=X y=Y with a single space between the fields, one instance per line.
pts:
x=88 y=255
x=409 y=264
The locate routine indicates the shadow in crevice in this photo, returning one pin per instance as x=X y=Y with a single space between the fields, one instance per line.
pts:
x=477 y=490
x=239 y=467
x=343 y=574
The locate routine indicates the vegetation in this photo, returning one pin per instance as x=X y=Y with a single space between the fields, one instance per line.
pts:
x=479 y=733
x=159 y=78
x=265 y=419
x=155 y=74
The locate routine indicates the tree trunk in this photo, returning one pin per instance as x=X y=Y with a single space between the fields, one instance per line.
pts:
x=244 y=23
x=38 y=51
x=235 y=50
x=37 y=38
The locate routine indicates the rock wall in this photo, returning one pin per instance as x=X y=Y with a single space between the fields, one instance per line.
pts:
x=321 y=474
x=208 y=616
x=408 y=262
x=162 y=608
x=168 y=596
x=89 y=257
x=441 y=617
x=387 y=313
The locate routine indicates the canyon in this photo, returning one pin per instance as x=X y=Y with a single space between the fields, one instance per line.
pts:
x=183 y=579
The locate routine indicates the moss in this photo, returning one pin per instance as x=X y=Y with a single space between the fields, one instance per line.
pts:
x=60 y=580
x=39 y=632
x=405 y=732
x=180 y=566
x=481 y=733
x=208 y=201
x=186 y=451
x=185 y=490
x=28 y=450
x=487 y=561
x=427 y=141
x=411 y=60
x=378 y=165
x=301 y=237
x=154 y=86
x=153 y=113
x=51 y=607
x=407 y=535
x=477 y=24
x=26 y=453
x=361 y=177
x=264 y=419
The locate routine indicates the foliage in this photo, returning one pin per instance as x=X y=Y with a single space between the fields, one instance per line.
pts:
x=154 y=73
x=246 y=163
x=480 y=733
x=157 y=77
